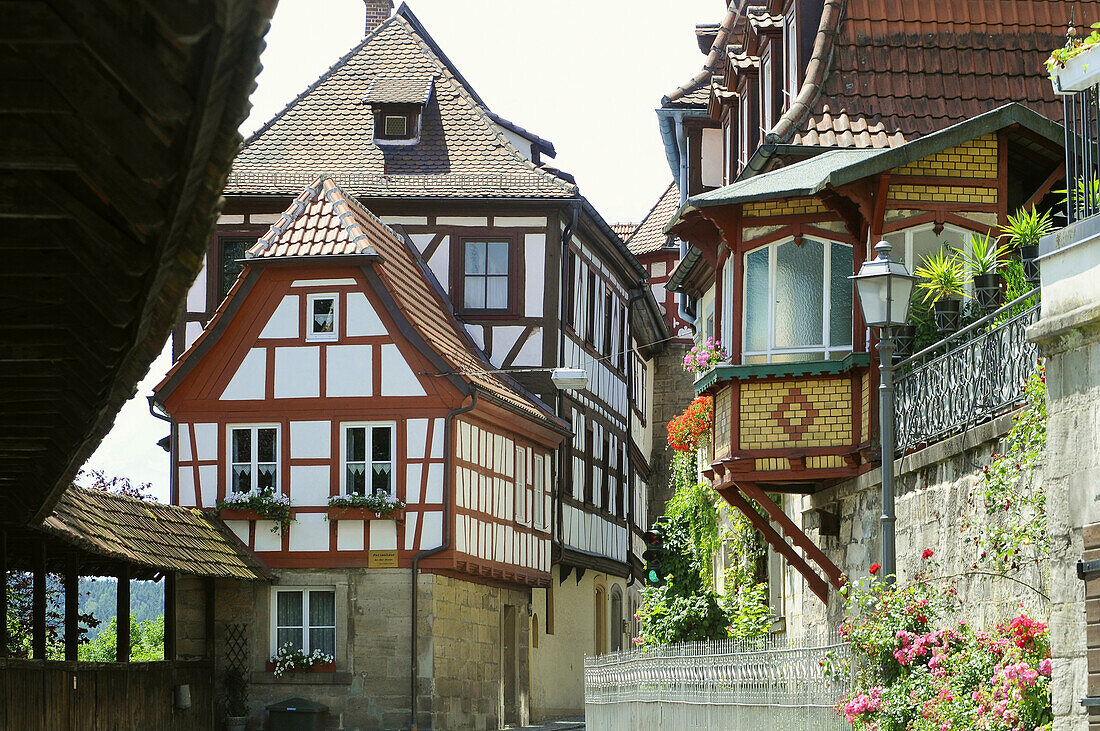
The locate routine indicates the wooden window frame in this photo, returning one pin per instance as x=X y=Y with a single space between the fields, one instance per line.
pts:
x=368 y=444
x=254 y=428
x=520 y=474
x=605 y=483
x=590 y=315
x=608 y=321
x=323 y=337
x=589 y=462
x=305 y=626
x=458 y=275
x=412 y=114
x=214 y=283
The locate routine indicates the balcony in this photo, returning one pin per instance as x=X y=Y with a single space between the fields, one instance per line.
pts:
x=790 y=427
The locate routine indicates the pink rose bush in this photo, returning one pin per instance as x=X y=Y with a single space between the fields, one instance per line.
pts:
x=917 y=671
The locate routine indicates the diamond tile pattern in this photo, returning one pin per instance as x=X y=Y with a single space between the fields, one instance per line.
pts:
x=329 y=129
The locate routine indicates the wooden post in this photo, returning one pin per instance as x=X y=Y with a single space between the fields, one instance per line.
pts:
x=72 y=606
x=3 y=593
x=122 y=635
x=38 y=604
x=170 y=616
x=208 y=617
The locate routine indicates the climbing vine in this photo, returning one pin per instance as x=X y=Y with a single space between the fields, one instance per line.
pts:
x=1010 y=493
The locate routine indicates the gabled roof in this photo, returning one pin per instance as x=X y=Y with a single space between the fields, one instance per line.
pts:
x=150 y=535
x=903 y=70
x=623 y=230
x=330 y=127
x=545 y=146
x=324 y=221
x=650 y=236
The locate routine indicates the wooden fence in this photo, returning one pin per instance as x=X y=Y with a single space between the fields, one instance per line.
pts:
x=69 y=696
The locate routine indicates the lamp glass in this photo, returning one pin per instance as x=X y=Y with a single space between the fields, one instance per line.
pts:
x=885 y=289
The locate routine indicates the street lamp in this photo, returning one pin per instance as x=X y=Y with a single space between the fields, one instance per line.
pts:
x=885 y=287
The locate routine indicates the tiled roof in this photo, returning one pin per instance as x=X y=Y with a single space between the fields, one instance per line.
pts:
x=742 y=60
x=399 y=90
x=903 y=70
x=329 y=128
x=324 y=221
x=623 y=230
x=650 y=235
x=151 y=535
x=761 y=20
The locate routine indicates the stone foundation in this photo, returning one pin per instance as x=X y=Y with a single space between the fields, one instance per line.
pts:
x=460 y=684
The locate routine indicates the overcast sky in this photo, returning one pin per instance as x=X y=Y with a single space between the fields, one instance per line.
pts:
x=584 y=74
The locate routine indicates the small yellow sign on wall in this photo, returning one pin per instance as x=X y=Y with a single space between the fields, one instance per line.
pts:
x=382 y=559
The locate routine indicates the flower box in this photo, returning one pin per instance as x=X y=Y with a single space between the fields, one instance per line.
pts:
x=350 y=513
x=240 y=514
x=317 y=667
x=1079 y=72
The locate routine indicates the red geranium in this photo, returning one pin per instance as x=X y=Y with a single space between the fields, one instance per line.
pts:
x=927 y=554
x=874 y=568
x=686 y=429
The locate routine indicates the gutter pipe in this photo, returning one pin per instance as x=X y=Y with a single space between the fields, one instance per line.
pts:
x=448 y=463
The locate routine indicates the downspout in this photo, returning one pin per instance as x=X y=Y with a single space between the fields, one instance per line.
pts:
x=566 y=239
x=448 y=461
x=173 y=476
x=682 y=301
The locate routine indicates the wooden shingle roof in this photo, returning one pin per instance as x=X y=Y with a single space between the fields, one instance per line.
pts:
x=151 y=536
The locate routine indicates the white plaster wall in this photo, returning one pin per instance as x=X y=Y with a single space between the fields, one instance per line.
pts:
x=348 y=371
x=298 y=372
x=308 y=532
x=250 y=379
x=398 y=379
x=283 y=322
x=362 y=319
x=310 y=439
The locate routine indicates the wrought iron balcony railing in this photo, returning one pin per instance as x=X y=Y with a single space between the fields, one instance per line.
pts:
x=1082 y=115
x=968 y=378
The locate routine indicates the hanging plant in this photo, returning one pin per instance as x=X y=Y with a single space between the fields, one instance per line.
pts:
x=685 y=431
x=704 y=356
x=264 y=503
x=380 y=503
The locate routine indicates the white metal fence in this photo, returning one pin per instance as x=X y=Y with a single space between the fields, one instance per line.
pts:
x=770 y=683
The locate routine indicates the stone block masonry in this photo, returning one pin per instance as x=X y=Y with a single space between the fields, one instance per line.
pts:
x=461 y=683
x=672 y=392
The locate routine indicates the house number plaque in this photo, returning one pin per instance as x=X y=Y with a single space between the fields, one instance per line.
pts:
x=382 y=559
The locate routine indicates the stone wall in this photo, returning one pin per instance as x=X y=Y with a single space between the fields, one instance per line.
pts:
x=1069 y=338
x=460 y=653
x=672 y=392
x=936 y=488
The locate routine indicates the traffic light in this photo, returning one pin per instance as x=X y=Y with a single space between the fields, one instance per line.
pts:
x=654 y=556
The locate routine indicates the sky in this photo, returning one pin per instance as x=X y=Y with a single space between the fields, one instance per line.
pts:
x=584 y=74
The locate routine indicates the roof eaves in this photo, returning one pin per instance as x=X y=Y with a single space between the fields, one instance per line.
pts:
x=546 y=146
x=675 y=282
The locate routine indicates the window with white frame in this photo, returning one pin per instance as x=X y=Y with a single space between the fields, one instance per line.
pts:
x=521 y=485
x=323 y=313
x=254 y=457
x=304 y=618
x=744 y=122
x=366 y=457
x=914 y=245
x=729 y=286
x=790 y=53
x=540 y=480
x=797 y=302
x=767 y=89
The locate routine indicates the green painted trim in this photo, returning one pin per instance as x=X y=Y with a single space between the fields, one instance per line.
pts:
x=781 y=370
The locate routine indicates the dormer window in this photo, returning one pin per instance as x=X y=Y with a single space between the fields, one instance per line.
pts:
x=398 y=105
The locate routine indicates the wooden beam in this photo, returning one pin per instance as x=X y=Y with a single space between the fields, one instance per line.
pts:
x=792 y=531
x=170 y=616
x=1057 y=176
x=817 y=585
x=72 y=606
x=38 y=603
x=122 y=608
x=208 y=617
x=3 y=593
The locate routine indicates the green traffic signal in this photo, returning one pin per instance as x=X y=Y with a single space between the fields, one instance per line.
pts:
x=654 y=556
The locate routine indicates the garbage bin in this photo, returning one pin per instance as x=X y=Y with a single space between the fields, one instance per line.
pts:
x=296 y=714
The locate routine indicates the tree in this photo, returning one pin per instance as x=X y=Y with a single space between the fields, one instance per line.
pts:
x=146 y=642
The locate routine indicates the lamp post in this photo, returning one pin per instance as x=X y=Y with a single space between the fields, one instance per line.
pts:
x=885 y=287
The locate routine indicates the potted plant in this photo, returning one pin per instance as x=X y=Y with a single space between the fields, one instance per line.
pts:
x=236 y=700
x=1024 y=231
x=943 y=279
x=704 y=356
x=904 y=338
x=983 y=262
x=288 y=659
x=380 y=505
x=1076 y=66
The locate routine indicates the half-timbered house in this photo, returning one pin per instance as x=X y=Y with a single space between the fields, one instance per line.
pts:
x=537 y=279
x=335 y=367
x=812 y=147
